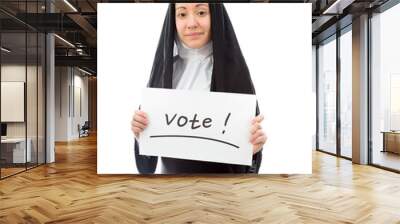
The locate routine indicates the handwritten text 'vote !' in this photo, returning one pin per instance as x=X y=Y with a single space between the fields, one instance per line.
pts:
x=194 y=121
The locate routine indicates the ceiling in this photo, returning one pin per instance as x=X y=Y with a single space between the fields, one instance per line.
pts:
x=76 y=22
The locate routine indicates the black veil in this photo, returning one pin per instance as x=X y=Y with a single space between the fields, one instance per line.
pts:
x=230 y=74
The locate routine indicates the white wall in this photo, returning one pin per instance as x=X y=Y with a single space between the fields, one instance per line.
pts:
x=16 y=73
x=70 y=83
x=80 y=103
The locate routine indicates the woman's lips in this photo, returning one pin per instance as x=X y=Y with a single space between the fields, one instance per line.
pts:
x=194 y=35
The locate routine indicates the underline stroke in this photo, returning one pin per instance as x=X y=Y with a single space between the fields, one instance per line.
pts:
x=191 y=136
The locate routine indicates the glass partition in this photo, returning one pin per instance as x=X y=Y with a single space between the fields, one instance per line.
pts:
x=32 y=95
x=13 y=104
x=22 y=63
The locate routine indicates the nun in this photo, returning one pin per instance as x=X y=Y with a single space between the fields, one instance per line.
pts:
x=198 y=50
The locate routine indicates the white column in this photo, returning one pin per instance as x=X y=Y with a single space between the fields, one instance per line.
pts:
x=50 y=92
x=360 y=90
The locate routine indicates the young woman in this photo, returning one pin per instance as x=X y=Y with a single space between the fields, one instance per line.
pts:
x=208 y=58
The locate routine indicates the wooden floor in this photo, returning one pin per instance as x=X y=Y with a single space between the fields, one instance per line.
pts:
x=387 y=159
x=5 y=172
x=70 y=191
x=8 y=171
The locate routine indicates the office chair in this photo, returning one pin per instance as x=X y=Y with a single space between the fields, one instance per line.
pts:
x=84 y=130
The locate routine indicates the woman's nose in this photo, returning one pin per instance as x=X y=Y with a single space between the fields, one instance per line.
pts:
x=192 y=22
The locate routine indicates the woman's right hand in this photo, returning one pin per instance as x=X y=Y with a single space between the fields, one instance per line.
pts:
x=139 y=122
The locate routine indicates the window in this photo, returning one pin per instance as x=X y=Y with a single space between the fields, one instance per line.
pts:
x=385 y=88
x=346 y=92
x=327 y=96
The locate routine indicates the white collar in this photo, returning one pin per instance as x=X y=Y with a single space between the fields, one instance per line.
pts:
x=188 y=53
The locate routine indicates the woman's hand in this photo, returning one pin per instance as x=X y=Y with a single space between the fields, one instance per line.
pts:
x=139 y=122
x=258 y=137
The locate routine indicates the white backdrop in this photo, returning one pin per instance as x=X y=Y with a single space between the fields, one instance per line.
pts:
x=276 y=42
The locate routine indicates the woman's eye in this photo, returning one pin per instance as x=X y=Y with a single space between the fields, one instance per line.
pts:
x=202 y=13
x=181 y=15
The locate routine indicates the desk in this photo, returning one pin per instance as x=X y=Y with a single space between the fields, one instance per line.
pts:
x=15 y=148
x=391 y=141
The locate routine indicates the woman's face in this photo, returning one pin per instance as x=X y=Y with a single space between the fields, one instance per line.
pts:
x=193 y=23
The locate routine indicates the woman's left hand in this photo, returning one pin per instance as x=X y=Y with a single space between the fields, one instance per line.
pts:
x=258 y=137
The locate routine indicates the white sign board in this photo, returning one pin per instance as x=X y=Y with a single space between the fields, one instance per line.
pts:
x=195 y=125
